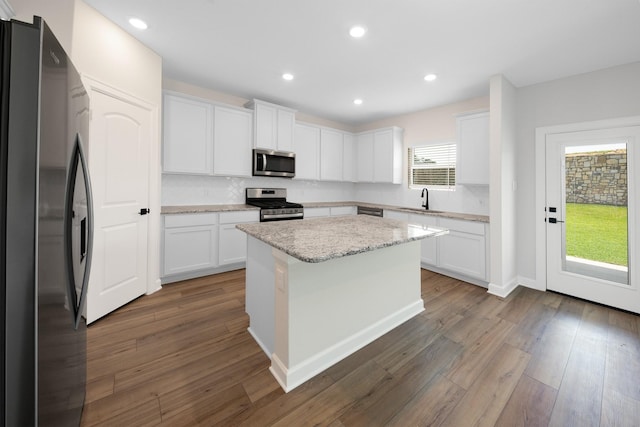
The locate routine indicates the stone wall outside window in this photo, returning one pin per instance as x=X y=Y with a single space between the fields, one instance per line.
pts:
x=597 y=178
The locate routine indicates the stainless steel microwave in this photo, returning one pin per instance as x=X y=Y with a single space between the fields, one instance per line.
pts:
x=274 y=163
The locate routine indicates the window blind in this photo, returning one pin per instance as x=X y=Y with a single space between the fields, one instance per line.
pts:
x=432 y=165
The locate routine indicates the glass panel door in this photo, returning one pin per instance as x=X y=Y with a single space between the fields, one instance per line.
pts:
x=595 y=211
x=592 y=217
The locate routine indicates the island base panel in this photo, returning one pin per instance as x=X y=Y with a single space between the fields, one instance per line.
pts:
x=260 y=294
x=326 y=311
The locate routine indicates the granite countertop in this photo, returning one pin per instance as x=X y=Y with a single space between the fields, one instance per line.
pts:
x=167 y=210
x=205 y=208
x=322 y=239
x=444 y=214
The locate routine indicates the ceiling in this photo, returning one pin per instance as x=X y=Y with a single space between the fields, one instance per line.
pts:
x=242 y=47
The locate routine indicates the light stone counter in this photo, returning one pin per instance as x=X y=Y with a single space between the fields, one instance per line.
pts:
x=167 y=210
x=183 y=209
x=322 y=239
x=443 y=214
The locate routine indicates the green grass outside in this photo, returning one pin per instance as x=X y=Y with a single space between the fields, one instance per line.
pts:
x=597 y=232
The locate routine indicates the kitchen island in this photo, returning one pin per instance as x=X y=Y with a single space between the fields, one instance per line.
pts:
x=318 y=290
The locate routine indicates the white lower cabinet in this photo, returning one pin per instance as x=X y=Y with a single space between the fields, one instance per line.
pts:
x=344 y=210
x=462 y=253
x=197 y=244
x=316 y=212
x=463 y=249
x=401 y=216
x=321 y=212
x=429 y=252
x=233 y=242
x=190 y=242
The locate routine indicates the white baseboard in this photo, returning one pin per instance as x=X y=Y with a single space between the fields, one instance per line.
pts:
x=455 y=275
x=260 y=343
x=292 y=377
x=504 y=290
x=201 y=273
x=156 y=286
x=528 y=282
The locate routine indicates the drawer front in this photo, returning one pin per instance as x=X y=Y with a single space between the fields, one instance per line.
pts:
x=424 y=219
x=471 y=227
x=402 y=216
x=237 y=217
x=316 y=212
x=187 y=220
x=343 y=210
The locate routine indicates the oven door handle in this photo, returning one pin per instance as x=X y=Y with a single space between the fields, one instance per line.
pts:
x=267 y=217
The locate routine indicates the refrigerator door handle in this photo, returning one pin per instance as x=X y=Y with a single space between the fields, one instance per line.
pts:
x=76 y=302
x=88 y=250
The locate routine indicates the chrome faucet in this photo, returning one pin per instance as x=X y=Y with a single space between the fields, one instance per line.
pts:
x=425 y=192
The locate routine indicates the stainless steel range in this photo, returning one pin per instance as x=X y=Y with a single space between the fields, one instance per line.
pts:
x=273 y=204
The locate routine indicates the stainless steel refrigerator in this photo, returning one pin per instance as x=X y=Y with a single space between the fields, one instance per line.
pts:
x=45 y=228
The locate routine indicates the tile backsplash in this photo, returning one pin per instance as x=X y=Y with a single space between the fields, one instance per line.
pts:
x=211 y=190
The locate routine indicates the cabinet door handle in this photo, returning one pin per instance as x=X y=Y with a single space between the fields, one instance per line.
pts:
x=145 y=211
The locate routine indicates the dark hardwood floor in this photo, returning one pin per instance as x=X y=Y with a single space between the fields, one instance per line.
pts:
x=183 y=357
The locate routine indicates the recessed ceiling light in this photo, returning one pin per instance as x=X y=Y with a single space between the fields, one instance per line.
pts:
x=430 y=77
x=287 y=76
x=357 y=101
x=138 y=23
x=357 y=31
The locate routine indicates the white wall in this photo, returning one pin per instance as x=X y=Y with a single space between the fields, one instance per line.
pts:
x=503 y=177
x=428 y=127
x=58 y=15
x=105 y=52
x=604 y=94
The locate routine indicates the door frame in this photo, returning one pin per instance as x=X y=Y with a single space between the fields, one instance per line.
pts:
x=540 y=188
x=92 y=84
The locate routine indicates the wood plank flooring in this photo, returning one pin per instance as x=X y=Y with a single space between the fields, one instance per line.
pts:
x=183 y=357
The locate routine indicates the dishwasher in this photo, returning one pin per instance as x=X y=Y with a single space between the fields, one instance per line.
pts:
x=370 y=211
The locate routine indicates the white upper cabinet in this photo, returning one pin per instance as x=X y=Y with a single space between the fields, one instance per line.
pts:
x=307 y=149
x=274 y=126
x=188 y=136
x=349 y=167
x=380 y=156
x=364 y=148
x=233 y=134
x=201 y=137
x=286 y=125
x=331 y=154
x=473 y=149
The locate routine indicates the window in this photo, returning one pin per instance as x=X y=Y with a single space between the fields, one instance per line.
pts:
x=433 y=166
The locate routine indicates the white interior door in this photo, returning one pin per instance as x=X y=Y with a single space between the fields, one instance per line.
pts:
x=592 y=215
x=120 y=136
